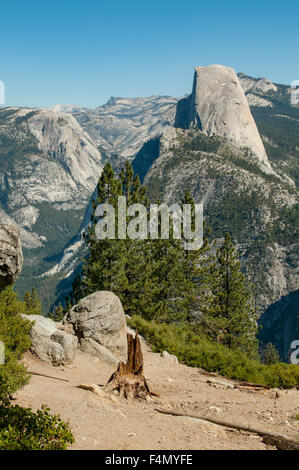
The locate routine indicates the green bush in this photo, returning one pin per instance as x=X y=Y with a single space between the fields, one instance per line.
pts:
x=14 y=333
x=23 y=429
x=197 y=351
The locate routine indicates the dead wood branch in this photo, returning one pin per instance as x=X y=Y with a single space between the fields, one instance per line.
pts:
x=48 y=376
x=277 y=440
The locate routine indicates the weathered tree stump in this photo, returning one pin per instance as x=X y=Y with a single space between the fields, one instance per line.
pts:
x=128 y=379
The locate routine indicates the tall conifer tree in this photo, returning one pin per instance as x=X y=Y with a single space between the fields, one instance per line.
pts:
x=135 y=258
x=229 y=315
x=104 y=267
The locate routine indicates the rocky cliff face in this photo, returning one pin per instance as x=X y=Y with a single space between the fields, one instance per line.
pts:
x=49 y=168
x=256 y=90
x=11 y=256
x=218 y=106
x=54 y=161
x=262 y=85
x=123 y=125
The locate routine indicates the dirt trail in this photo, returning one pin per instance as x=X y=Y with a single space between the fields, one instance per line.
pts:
x=101 y=424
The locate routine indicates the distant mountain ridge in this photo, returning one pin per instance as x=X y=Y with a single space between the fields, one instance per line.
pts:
x=122 y=125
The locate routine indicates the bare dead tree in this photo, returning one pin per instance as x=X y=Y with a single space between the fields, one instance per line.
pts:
x=129 y=378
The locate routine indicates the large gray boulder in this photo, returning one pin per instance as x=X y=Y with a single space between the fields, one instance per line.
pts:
x=50 y=343
x=99 y=323
x=11 y=257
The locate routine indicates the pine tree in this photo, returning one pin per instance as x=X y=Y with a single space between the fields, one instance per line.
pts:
x=166 y=287
x=126 y=178
x=58 y=313
x=229 y=315
x=270 y=355
x=77 y=293
x=33 y=303
x=195 y=264
x=116 y=264
x=104 y=267
x=135 y=266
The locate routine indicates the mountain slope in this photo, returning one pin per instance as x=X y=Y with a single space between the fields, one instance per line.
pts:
x=258 y=205
x=122 y=125
x=49 y=168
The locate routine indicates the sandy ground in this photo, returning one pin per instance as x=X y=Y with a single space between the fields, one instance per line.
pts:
x=102 y=424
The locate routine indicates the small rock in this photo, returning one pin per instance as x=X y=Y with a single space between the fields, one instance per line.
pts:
x=215 y=408
x=132 y=434
x=170 y=357
x=213 y=381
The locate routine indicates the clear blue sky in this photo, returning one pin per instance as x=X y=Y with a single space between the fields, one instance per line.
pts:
x=83 y=52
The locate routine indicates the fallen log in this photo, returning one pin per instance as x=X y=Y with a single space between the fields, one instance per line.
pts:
x=250 y=385
x=280 y=442
x=48 y=376
x=129 y=378
x=241 y=385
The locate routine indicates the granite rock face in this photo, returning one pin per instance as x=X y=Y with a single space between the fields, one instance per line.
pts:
x=122 y=125
x=49 y=168
x=218 y=106
x=262 y=85
x=99 y=323
x=11 y=257
x=54 y=171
